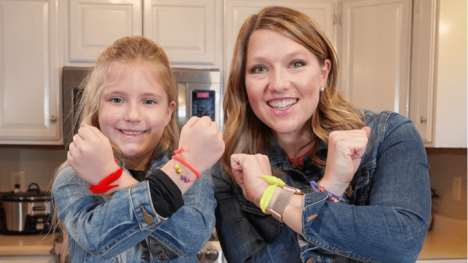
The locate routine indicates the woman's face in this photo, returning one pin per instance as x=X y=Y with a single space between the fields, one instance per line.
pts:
x=283 y=81
x=133 y=111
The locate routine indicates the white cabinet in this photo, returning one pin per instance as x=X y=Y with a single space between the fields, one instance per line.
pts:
x=188 y=30
x=237 y=11
x=439 y=83
x=375 y=54
x=29 y=89
x=408 y=56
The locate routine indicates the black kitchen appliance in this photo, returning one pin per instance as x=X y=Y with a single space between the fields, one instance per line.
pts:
x=25 y=212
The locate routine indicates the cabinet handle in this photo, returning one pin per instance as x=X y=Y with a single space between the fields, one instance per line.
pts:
x=53 y=118
x=423 y=120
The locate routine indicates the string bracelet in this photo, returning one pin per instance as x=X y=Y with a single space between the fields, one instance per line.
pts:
x=105 y=184
x=182 y=161
x=320 y=189
x=182 y=177
x=268 y=193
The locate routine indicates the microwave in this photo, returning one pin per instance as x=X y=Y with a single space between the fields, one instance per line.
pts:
x=199 y=93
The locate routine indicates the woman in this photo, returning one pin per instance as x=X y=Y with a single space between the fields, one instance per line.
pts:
x=364 y=175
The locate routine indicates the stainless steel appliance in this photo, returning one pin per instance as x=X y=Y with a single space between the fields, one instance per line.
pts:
x=199 y=94
x=25 y=212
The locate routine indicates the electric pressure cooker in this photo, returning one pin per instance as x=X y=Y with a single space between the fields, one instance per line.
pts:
x=25 y=212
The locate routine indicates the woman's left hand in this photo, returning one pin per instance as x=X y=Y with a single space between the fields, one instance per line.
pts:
x=345 y=149
x=248 y=170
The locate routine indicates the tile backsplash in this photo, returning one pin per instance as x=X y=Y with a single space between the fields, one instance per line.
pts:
x=38 y=162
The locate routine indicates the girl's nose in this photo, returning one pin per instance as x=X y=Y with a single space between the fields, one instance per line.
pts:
x=278 y=81
x=133 y=114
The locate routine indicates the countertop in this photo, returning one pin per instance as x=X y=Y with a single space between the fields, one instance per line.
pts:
x=14 y=245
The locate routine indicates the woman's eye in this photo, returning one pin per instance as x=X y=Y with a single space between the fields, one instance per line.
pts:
x=258 y=69
x=116 y=100
x=297 y=64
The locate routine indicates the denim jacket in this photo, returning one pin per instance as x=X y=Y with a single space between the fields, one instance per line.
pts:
x=116 y=229
x=384 y=219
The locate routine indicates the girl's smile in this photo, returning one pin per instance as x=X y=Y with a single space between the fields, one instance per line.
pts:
x=133 y=111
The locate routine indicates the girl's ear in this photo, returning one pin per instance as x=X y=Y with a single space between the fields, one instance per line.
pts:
x=170 y=109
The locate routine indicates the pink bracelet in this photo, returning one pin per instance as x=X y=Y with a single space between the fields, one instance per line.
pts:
x=182 y=161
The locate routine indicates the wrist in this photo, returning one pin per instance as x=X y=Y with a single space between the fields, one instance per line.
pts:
x=334 y=186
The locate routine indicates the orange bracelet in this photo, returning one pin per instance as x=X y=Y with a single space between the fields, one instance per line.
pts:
x=182 y=161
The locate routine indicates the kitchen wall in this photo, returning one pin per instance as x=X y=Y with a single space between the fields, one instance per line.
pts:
x=38 y=162
x=447 y=164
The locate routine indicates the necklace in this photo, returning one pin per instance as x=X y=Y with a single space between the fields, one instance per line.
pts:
x=299 y=160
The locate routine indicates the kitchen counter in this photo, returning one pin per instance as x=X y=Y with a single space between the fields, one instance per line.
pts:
x=14 y=245
x=439 y=246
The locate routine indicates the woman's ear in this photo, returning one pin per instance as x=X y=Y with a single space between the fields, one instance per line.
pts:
x=324 y=71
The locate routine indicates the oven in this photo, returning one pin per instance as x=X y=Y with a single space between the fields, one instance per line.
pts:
x=199 y=93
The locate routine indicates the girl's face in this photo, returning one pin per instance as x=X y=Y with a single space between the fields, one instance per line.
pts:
x=283 y=81
x=133 y=111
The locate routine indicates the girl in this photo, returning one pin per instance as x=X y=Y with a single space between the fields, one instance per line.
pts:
x=364 y=175
x=122 y=198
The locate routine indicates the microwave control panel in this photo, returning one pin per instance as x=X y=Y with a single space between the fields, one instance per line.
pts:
x=203 y=103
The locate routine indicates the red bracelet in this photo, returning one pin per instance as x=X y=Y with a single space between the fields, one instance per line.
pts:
x=105 y=184
x=182 y=161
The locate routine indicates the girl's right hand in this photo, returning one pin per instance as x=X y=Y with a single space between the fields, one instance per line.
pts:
x=202 y=142
x=90 y=154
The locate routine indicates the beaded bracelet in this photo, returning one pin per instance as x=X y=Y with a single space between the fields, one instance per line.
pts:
x=320 y=189
x=182 y=161
x=183 y=177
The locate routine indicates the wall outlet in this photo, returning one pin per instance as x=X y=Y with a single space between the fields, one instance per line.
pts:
x=18 y=178
x=456 y=190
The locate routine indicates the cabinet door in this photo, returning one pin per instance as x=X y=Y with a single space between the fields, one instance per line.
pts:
x=375 y=54
x=187 y=30
x=29 y=95
x=96 y=24
x=238 y=11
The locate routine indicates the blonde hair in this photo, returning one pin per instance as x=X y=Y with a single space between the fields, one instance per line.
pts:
x=128 y=50
x=244 y=132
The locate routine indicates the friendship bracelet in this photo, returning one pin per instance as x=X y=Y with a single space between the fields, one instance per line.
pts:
x=183 y=177
x=182 y=161
x=105 y=184
x=268 y=193
x=320 y=189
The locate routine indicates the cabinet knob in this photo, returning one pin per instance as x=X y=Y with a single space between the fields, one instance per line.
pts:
x=423 y=120
x=53 y=118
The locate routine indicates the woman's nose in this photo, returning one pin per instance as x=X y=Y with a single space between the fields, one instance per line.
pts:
x=133 y=114
x=278 y=81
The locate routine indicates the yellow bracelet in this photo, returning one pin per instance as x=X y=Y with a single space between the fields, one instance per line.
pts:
x=268 y=193
x=266 y=197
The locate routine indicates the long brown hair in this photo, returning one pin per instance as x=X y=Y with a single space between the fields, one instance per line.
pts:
x=244 y=132
x=128 y=50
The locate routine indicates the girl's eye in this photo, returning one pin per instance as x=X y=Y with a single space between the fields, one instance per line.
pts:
x=297 y=64
x=116 y=100
x=258 y=69
x=150 y=102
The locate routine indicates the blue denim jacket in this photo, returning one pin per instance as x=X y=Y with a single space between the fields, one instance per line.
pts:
x=114 y=230
x=384 y=219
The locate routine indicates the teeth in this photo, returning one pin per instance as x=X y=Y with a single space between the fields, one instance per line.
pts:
x=282 y=104
x=131 y=133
